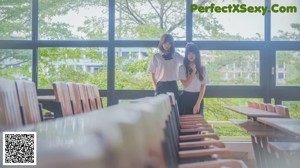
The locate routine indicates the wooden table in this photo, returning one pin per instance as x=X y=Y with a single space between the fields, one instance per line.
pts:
x=286 y=146
x=291 y=126
x=259 y=132
x=291 y=147
x=253 y=113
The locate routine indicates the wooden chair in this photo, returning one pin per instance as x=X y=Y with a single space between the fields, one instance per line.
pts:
x=205 y=151
x=98 y=97
x=282 y=110
x=262 y=106
x=75 y=98
x=62 y=95
x=10 y=114
x=175 y=155
x=84 y=97
x=131 y=149
x=91 y=97
x=78 y=141
x=270 y=107
x=221 y=163
x=253 y=104
x=30 y=106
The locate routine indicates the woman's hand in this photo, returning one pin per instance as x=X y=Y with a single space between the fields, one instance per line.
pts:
x=196 y=108
x=193 y=67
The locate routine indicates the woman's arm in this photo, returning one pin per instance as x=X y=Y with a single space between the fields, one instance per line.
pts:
x=202 y=90
x=200 y=97
x=153 y=80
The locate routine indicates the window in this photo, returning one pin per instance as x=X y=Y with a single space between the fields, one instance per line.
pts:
x=294 y=107
x=16 y=64
x=72 y=65
x=219 y=62
x=285 y=26
x=72 y=40
x=149 y=19
x=73 y=20
x=228 y=26
x=15 y=20
x=131 y=69
x=280 y=65
x=220 y=118
x=280 y=76
x=288 y=63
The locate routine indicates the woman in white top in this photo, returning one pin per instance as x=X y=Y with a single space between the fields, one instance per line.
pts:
x=164 y=67
x=194 y=78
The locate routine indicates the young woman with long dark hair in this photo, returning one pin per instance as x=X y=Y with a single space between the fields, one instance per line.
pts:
x=164 y=67
x=194 y=78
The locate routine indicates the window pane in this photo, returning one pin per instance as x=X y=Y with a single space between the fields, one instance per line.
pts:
x=15 y=20
x=16 y=64
x=228 y=26
x=149 y=19
x=231 y=67
x=131 y=68
x=288 y=68
x=294 y=107
x=69 y=20
x=285 y=25
x=219 y=117
x=81 y=65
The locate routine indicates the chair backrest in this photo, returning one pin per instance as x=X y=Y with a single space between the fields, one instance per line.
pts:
x=282 y=110
x=98 y=97
x=75 y=97
x=28 y=100
x=154 y=123
x=162 y=107
x=10 y=114
x=253 y=104
x=270 y=107
x=262 y=106
x=62 y=95
x=91 y=96
x=84 y=97
x=131 y=151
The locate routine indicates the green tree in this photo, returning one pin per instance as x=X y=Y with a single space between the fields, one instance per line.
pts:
x=292 y=35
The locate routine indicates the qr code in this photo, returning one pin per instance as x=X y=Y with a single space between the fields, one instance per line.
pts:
x=19 y=148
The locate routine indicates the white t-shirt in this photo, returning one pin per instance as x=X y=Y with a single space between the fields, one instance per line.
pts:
x=165 y=70
x=195 y=85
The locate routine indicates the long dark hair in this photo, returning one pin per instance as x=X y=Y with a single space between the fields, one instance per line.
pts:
x=167 y=38
x=192 y=48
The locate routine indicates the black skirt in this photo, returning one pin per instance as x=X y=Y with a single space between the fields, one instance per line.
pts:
x=187 y=101
x=164 y=87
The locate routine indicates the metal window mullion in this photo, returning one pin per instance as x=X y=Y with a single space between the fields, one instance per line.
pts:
x=189 y=21
x=111 y=97
x=268 y=22
x=35 y=41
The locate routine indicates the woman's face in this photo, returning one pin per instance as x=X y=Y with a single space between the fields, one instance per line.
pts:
x=166 y=46
x=191 y=57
